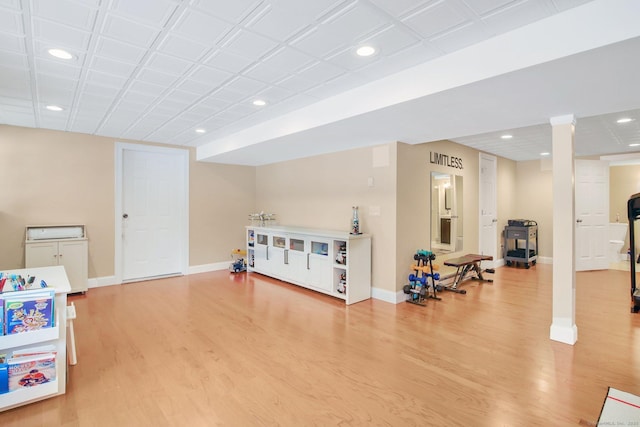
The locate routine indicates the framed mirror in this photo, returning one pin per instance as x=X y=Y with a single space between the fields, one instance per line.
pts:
x=446 y=213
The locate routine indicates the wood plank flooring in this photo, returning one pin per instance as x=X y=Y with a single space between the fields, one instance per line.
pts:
x=245 y=350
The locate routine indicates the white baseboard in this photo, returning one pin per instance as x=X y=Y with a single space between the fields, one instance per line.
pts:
x=388 y=296
x=205 y=268
x=97 y=282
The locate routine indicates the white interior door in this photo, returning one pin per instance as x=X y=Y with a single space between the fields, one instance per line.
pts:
x=488 y=207
x=592 y=215
x=153 y=212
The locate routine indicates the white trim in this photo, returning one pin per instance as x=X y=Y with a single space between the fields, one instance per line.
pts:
x=98 y=282
x=567 y=334
x=490 y=264
x=205 y=268
x=388 y=296
x=568 y=119
x=120 y=147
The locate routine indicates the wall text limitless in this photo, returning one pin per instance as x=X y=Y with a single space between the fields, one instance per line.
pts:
x=445 y=160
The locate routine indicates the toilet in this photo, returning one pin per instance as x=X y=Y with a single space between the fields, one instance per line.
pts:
x=617 y=235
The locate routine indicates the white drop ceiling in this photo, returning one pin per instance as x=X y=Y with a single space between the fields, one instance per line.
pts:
x=464 y=70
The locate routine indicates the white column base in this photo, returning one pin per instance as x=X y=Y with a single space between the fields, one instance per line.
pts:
x=564 y=334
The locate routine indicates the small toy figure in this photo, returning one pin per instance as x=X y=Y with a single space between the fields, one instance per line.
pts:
x=341 y=257
x=342 y=284
x=239 y=264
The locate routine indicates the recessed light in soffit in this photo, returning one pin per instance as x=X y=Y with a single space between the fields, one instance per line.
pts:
x=60 y=53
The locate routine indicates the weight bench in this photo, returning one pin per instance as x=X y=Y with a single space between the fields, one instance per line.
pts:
x=465 y=265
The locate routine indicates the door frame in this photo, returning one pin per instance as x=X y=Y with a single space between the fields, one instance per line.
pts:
x=481 y=190
x=120 y=148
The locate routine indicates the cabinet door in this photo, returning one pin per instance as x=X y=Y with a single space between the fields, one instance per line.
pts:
x=319 y=272
x=73 y=255
x=260 y=258
x=44 y=254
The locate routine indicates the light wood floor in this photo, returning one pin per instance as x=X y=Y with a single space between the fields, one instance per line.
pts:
x=237 y=350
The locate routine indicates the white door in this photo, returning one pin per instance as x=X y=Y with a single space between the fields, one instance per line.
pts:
x=488 y=208
x=592 y=215
x=153 y=212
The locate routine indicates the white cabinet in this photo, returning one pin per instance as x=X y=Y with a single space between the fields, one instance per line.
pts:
x=56 y=336
x=332 y=262
x=44 y=248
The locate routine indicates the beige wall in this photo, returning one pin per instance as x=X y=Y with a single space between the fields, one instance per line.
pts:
x=65 y=170
x=506 y=190
x=54 y=177
x=534 y=200
x=319 y=192
x=624 y=182
x=414 y=200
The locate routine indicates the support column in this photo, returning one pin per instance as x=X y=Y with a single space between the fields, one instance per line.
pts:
x=563 y=326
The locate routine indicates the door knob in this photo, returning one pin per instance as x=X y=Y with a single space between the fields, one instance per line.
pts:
x=125 y=216
x=578 y=221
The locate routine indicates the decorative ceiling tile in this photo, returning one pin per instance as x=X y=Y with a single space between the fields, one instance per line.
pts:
x=289 y=59
x=231 y=11
x=112 y=66
x=245 y=85
x=11 y=43
x=321 y=72
x=129 y=31
x=11 y=22
x=196 y=87
x=275 y=94
x=169 y=64
x=182 y=47
x=434 y=19
x=397 y=8
x=153 y=12
x=481 y=7
x=74 y=14
x=14 y=60
x=57 y=68
x=58 y=35
x=513 y=16
x=249 y=45
x=120 y=51
x=203 y=28
x=211 y=76
x=263 y=72
x=391 y=40
x=156 y=77
x=228 y=61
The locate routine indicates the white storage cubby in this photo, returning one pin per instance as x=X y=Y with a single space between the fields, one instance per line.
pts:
x=332 y=262
x=56 y=278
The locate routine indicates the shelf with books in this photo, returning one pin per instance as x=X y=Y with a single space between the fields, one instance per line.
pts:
x=28 y=395
x=53 y=339
x=31 y=337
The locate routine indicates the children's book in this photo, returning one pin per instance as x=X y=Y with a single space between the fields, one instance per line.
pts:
x=30 y=371
x=2 y=332
x=4 y=378
x=28 y=311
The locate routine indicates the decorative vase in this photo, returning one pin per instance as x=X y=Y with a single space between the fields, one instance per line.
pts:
x=355 y=222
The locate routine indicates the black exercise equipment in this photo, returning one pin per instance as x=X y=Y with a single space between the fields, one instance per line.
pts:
x=417 y=289
x=633 y=213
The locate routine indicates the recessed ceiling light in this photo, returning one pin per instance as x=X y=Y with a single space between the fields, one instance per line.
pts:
x=624 y=120
x=259 y=102
x=200 y=130
x=506 y=136
x=634 y=145
x=60 y=53
x=544 y=154
x=54 y=108
x=365 y=51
